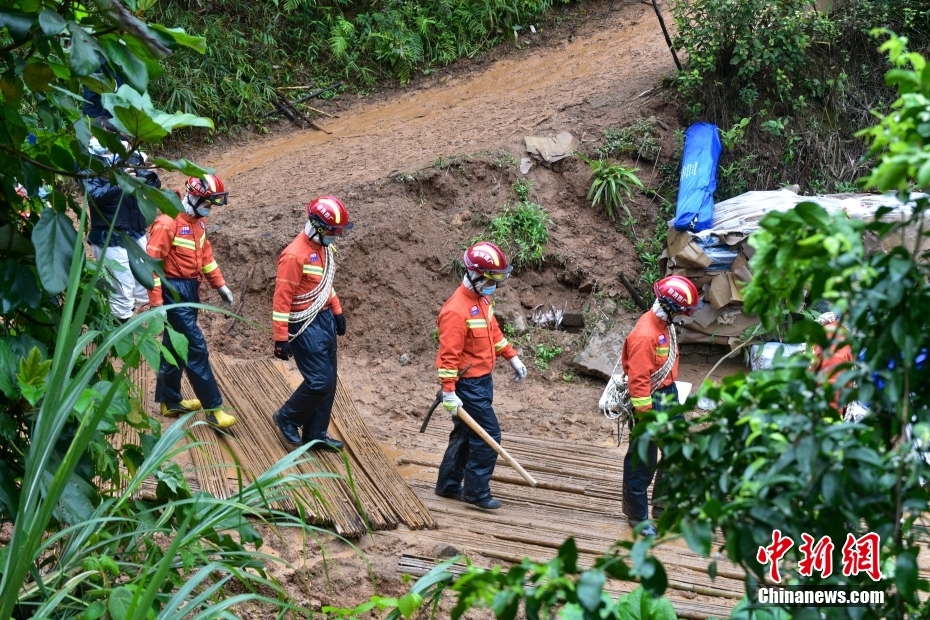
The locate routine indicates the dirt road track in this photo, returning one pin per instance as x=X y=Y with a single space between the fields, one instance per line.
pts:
x=530 y=91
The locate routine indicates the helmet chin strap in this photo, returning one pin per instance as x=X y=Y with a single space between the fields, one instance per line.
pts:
x=475 y=283
x=189 y=208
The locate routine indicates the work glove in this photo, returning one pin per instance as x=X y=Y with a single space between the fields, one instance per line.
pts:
x=451 y=402
x=340 y=324
x=519 y=369
x=227 y=296
x=282 y=350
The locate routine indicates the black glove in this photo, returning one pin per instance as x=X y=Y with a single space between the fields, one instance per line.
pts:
x=340 y=324
x=282 y=350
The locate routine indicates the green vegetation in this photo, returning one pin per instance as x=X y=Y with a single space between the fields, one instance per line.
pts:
x=82 y=544
x=545 y=353
x=789 y=86
x=611 y=185
x=640 y=139
x=521 y=230
x=255 y=48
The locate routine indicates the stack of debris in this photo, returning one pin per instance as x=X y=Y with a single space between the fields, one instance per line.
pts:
x=716 y=260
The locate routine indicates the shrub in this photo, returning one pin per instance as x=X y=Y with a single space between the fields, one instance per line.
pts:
x=522 y=232
x=610 y=184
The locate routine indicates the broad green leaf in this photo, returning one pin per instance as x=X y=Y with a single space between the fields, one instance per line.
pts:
x=198 y=44
x=54 y=238
x=8 y=367
x=178 y=342
x=568 y=554
x=38 y=77
x=85 y=53
x=142 y=266
x=164 y=200
x=409 y=603
x=94 y=611
x=119 y=603
x=131 y=68
x=189 y=168
x=905 y=574
x=75 y=505
x=136 y=122
x=180 y=120
x=149 y=348
x=697 y=535
x=11 y=241
x=589 y=588
x=51 y=22
x=18 y=24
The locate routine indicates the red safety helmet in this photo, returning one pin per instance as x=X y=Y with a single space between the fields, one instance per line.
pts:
x=209 y=189
x=677 y=294
x=329 y=216
x=488 y=260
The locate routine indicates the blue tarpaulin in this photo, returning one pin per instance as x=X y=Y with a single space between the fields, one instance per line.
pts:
x=695 y=209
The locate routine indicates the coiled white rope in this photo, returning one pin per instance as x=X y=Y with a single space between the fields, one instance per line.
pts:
x=615 y=401
x=318 y=297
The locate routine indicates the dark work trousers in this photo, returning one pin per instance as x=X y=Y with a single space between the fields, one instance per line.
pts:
x=199 y=372
x=637 y=474
x=314 y=351
x=468 y=458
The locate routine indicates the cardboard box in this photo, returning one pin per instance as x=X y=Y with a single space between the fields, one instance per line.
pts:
x=684 y=251
x=722 y=291
x=741 y=268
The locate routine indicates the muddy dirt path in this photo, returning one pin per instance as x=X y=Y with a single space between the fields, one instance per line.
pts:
x=551 y=84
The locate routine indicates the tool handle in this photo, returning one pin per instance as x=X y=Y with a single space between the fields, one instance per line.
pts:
x=470 y=421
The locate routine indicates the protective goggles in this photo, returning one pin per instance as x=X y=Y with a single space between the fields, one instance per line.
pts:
x=217 y=200
x=497 y=276
x=338 y=231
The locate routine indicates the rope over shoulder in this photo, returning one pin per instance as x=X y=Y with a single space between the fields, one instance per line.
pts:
x=615 y=402
x=318 y=297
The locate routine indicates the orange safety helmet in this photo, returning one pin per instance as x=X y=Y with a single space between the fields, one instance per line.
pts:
x=488 y=261
x=677 y=295
x=208 y=189
x=329 y=216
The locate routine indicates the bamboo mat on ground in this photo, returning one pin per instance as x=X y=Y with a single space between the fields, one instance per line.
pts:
x=369 y=494
x=578 y=494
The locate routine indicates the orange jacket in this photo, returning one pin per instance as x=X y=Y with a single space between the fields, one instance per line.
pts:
x=833 y=356
x=468 y=334
x=644 y=351
x=182 y=243
x=300 y=269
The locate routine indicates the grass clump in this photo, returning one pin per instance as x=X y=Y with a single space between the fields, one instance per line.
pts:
x=611 y=186
x=521 y=230
x=640 y=139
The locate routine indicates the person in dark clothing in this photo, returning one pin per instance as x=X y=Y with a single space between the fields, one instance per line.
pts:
x=110 y=204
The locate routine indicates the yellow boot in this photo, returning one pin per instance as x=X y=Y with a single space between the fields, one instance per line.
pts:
x=218 y=418
x=186 y=406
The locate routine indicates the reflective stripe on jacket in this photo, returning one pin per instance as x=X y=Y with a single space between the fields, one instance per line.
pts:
x=468 y=334
x=644 y=351
x=300 y=269
x=182 y=243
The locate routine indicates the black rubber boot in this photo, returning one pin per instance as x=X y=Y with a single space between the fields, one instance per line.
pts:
x=486 y=503
x=453 y=494
x=287 y=430
x=325 y=443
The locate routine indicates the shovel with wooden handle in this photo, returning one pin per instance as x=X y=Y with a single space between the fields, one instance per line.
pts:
x=470 y=421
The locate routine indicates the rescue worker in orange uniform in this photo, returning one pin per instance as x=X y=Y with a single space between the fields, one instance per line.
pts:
x=306 y=318
x=834 y=355
x=645 y=351
x=188 y=258
x=469 y=336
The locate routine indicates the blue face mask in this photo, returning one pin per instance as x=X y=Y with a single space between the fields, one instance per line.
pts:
x=489 y=290
x=326 y=240
x=202 y=211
